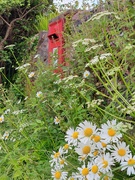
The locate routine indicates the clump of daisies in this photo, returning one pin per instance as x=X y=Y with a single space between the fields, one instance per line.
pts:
x=98 y=152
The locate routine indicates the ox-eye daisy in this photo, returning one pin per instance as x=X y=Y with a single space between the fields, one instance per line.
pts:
x=56 y=120
x=97 y=140
x=1 y=119
x=85 y=149
x=86 y=74
x=121 y=152
x=86 y=131
x=62 y=162
x=39 y=94
x=58 y=174
x=84 y=172
x=107 y=161
x=56 y=156
x=110 y=132
x=72 y=136
x=129 y=164
x=66 y=148
x=94 y=167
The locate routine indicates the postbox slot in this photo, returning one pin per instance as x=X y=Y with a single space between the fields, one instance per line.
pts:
x=53 y=37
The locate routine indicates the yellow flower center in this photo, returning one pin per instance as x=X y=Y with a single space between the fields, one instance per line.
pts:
x=57 y=174
x=96 y=138
x=57 y=120
x=88 y=132
x=131 y=162
x=85 y=171
x=56 y=155
x=122 y=152
x=95 y=153
x=94 y=169
x=62 y=161
x=75 y=135
x=86 y=149
x=111 y=132
x=103 y=144
x=106 y=178
x=105 y=163
x=66 y=146
x=71 y=178
x=0 y=119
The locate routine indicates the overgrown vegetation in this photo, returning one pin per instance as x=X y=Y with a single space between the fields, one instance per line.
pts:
x=17 y=28
x=97 y=85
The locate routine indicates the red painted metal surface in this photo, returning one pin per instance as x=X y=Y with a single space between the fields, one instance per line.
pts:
x=56 y=43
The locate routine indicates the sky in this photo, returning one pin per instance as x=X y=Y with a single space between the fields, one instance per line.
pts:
x=71 y=2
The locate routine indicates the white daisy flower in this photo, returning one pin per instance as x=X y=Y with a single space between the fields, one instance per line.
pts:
x=5 y=135
x=1 y=119
x=56 y=120
x=121 y=152
x=86 y=74
x=59 y=174
x=107 y=161
x=129 y=165
x=85 y=149
x=62 y=162
x=86 y=131
x=94 y=170
x=39 y=94
x=31 y=74
x=105 y=146
x=96 y=138
x=66 y=147
x=56 y=156
x=84 y=172
x=72 y=136
x=110 y=132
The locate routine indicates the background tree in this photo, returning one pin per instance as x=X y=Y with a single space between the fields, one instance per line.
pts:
x=17 y=19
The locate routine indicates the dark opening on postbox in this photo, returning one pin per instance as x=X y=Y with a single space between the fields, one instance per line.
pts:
x=55 y=43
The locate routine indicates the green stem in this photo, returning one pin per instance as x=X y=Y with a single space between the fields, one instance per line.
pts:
x=13 y=85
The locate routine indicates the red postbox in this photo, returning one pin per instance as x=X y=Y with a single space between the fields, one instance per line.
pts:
x=56 y=48
x=56 y=43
